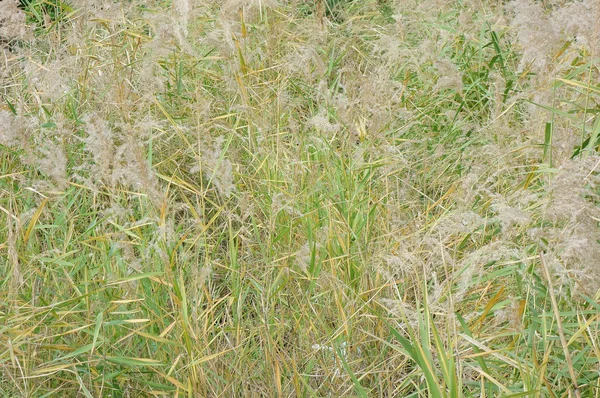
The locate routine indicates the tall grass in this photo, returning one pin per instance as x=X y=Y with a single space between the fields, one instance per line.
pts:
x=297 y=198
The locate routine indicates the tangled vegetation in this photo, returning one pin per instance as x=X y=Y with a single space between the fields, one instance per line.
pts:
x=373 y=198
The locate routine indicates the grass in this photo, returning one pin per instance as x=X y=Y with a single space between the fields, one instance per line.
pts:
x=345 y=198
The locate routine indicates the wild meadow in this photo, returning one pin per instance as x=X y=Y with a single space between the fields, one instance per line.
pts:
x=300 y=198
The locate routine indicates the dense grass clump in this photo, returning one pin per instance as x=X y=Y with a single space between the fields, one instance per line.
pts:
x=299 y=198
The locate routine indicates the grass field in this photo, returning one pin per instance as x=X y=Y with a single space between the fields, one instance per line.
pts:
x=318 y=198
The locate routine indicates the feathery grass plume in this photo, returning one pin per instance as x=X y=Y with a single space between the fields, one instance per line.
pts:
x=150 y=77
x=100 y=144
x=461 y=222
x=537 y=34
x=118 y=155
x=217 y=168
x=52 y=161
x=508 y=215
x=13 y=22
x=470 y=270
x=107 y=10
x=573 y=191
x=303 y=257
x=550 y=47
x=305 y=62
x=11 y=129
x=407 y=316
x=228 y=33
x=280 y=204
x=371 y=98
x=387 y=46
x=251 y=9
x=321 y=123
x=578 y=21
x=51 y=81
x=511 y=315
x=450 y=76
x=221 y=37
x=183 y=11
x=573 y=207
x=131 y=169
